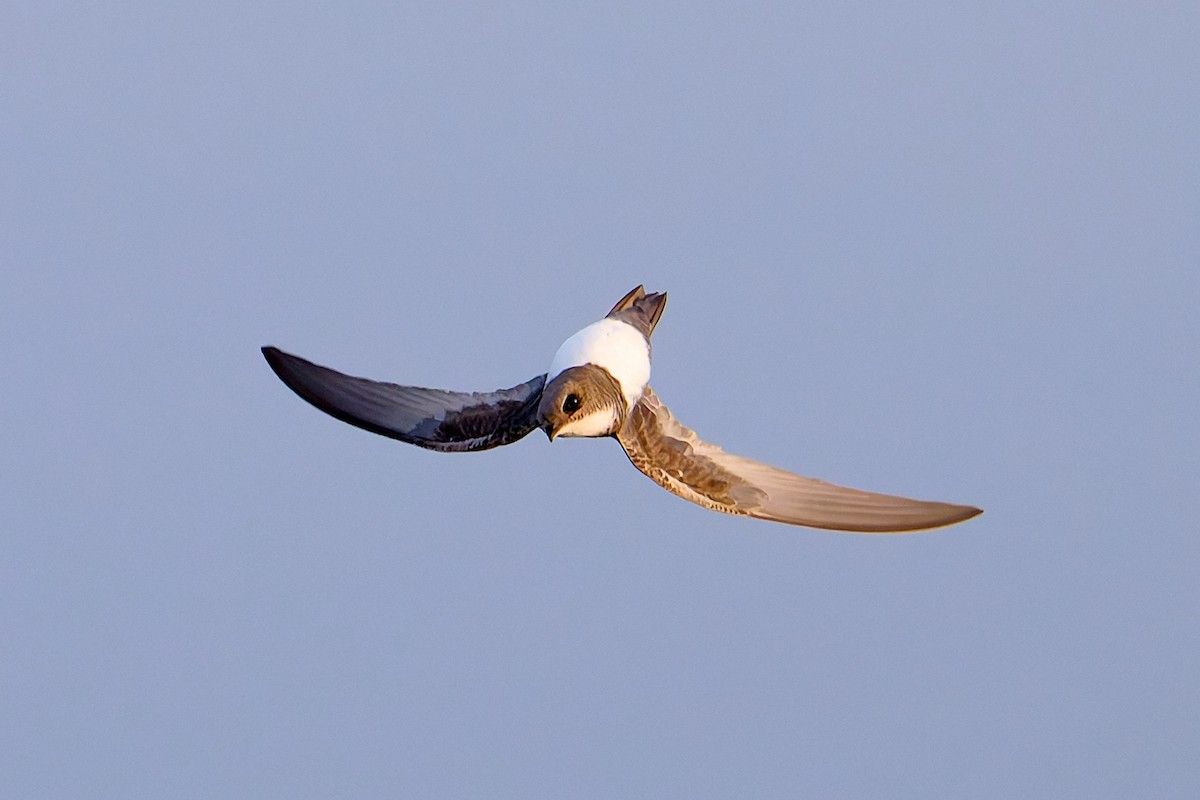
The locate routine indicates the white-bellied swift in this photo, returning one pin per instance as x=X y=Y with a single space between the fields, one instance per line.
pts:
x=597 y=386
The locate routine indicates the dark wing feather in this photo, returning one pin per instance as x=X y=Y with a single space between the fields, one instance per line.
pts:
x=678 y=460
x=430 y=418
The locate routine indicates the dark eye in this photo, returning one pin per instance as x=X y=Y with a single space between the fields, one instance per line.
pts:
x=571 y=404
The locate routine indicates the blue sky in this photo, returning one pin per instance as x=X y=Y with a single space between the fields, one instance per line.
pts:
x=931 y=249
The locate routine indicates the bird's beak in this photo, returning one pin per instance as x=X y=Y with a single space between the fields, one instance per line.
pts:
x=550 y=432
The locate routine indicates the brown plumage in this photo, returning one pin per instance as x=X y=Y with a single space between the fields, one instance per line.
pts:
x=577 y=394
x=675 y=458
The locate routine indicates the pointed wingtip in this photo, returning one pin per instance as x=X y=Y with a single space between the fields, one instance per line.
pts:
x=277 y=360
x=958 y=514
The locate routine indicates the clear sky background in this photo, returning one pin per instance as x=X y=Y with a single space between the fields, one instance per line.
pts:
x=938 y=249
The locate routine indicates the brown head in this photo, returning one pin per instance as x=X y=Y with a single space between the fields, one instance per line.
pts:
x=582 y=401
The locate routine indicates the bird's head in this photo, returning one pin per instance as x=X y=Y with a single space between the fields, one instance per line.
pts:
x=581 y=401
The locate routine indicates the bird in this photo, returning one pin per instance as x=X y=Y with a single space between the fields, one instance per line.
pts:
x=597 y=386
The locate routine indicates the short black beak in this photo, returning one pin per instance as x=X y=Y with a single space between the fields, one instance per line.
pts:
x=549 y=429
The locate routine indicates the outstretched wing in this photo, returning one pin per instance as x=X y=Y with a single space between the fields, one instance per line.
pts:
x=678 y=460
x=430 y=418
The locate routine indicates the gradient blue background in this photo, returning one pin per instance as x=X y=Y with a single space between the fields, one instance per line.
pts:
x=938 y=249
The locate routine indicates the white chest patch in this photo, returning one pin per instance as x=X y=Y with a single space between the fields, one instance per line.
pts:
x=618 y=347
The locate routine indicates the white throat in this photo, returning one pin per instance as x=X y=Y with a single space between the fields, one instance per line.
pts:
x=598 y=423
x=614 y=345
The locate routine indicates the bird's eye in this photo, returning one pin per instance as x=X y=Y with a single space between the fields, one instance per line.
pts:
x=571 y=404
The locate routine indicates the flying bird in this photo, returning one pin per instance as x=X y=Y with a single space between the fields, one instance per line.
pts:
x=598 y=385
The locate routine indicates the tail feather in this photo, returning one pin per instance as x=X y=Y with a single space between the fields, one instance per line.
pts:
x=640 y=310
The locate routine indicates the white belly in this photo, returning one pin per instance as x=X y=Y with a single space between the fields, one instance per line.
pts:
x=618 y=347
